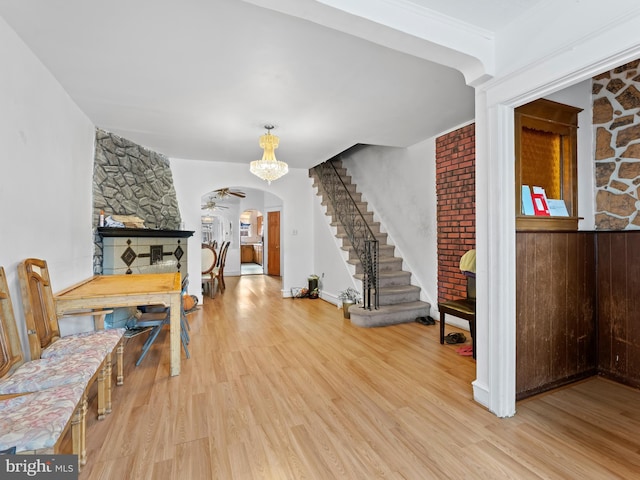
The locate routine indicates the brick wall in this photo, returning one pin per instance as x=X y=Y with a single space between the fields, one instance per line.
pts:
x=456 y=190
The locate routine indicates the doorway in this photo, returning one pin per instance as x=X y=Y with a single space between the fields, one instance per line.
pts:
x=222 y=210
x=251 y=242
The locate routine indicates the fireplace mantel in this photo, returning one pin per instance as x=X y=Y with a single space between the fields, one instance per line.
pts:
x=143 y=250
x=143 y=232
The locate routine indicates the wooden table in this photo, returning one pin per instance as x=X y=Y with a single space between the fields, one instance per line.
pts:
x=107 y=291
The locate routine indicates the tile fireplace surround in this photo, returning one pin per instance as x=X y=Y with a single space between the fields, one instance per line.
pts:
x=139 y=250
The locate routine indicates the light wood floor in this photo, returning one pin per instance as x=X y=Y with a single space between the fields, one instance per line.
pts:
x=287 y=389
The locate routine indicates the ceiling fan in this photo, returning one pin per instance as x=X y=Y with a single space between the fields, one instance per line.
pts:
x=212 y=204
x=225 y=192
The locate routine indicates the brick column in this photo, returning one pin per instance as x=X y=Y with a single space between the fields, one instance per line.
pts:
x=456 y=207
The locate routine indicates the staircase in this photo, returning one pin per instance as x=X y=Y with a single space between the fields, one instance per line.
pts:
x=399 y=301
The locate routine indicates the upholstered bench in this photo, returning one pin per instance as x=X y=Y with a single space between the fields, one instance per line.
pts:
x=71 y=373
x=37 y=422
x=101 y=343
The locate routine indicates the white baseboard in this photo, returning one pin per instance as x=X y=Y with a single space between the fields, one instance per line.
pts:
x=480 y=393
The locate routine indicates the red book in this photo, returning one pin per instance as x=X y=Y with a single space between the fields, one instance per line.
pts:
x=539 y=198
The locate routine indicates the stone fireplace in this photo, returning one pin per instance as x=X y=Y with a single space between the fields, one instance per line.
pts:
x=131 y=180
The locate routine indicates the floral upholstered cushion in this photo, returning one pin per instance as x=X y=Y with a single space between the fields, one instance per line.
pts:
x=36 y=420
x=51 y=372
x=103 y=341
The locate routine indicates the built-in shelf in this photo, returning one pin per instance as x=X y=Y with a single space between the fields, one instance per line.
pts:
x=527 y=223
x=546 y=157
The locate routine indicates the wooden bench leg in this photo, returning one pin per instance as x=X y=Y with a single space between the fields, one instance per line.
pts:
x=79 y=431
x=107 y=384
x=442 y=314
x=83 y=426
x=101 y=390
x=76 y=432
x=120 y=363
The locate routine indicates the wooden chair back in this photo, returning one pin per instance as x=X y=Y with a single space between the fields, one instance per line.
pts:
x=11 y=356
x=209 y=259
x=223 y=259
x=223 y=254
x=39 y=305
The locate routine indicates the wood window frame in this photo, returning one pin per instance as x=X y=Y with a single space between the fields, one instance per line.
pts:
x=549 y=116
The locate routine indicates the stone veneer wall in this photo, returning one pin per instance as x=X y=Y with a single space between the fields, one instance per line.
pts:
x=616 y=123
x=131 y=180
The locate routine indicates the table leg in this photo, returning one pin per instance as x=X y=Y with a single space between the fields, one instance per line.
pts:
x=174 y=324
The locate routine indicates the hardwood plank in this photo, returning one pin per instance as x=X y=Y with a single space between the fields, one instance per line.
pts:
x=288 y=389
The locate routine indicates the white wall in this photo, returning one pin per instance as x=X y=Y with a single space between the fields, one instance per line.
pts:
x=46 y=158
x=573 y=29
x=292 y=195
x=232 y=261
x=579 y=95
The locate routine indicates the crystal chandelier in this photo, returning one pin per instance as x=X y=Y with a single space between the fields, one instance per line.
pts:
x=269 y=168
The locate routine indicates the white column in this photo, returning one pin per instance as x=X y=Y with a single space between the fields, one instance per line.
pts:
x=495 y=386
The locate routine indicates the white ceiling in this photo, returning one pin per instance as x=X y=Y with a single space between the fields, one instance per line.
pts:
x=199 y=79
x=487 y=14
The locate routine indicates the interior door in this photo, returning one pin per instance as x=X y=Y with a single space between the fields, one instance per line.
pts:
x=273 y=243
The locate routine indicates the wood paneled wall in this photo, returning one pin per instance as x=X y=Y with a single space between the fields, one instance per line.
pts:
x=556 y=339
x=619 y=306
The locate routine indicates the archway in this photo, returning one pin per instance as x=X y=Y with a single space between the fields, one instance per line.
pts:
x=238 y=215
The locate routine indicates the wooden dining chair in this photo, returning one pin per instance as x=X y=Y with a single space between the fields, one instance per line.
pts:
x=43 y=329
x=219 y=270
x=209 y=259
x=158 y=319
